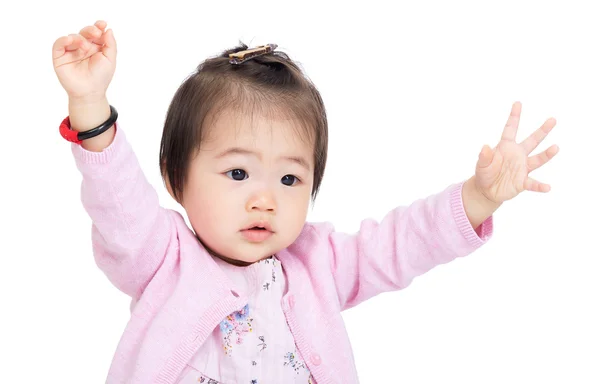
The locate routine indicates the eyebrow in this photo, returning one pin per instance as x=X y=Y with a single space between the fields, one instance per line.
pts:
x=246 y=152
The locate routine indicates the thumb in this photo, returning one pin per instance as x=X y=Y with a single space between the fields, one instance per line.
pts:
x=109 y=49
x=485 y=157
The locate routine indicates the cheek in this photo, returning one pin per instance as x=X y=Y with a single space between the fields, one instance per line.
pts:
x=208 y=203
x=296 y=208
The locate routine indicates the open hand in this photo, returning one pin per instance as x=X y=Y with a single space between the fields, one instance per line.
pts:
x=503 y=172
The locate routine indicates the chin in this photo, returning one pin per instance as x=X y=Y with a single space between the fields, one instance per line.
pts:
x=245 y=253
x=253 y=257
x=242 y=250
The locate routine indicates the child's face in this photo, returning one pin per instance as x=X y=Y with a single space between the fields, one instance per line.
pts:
x=251 y=170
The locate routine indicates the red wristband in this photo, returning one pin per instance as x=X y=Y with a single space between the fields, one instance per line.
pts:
x=77 y=137
x=67 y=133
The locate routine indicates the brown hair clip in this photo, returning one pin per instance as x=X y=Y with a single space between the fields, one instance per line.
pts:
x=240 y=57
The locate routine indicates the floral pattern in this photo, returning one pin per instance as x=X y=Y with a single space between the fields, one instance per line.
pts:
x=291 y=359
x=236 y=326
x=256 y=339
x=203 y=379
x=262 y=344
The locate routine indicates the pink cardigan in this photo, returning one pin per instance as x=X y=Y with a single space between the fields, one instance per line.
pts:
x=180 y=295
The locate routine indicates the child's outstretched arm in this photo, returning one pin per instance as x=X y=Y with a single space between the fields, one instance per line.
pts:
x=130 y=231
x=412 y=240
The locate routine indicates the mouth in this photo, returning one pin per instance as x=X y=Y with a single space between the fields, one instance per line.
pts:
x=257 y=232
x=259 y=226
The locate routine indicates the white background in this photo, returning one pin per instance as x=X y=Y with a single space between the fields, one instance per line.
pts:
x=413 y=90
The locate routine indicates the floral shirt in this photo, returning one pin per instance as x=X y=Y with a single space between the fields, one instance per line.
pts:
x=253 y=345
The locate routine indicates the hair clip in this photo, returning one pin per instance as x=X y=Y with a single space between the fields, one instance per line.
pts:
x=242 y=56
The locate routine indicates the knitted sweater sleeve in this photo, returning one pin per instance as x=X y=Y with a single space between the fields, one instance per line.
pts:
x=131 y=232
x=409 y=241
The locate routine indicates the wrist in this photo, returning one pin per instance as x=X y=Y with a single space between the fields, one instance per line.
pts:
x=478 y=206
x=88 y=99
x=85 y=114
x=476 y=193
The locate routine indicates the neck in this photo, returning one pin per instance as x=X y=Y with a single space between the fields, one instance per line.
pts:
x=238 y=263
x=235 y=262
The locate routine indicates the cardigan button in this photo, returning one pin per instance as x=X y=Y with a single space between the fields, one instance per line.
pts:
x=234 y=293
x=316 y=359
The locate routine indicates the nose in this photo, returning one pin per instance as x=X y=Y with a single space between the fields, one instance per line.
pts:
x=263 y=201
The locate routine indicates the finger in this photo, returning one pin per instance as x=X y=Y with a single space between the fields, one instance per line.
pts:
x=109 y=49
x=512 y=124
x=94 y=32
x=91 y=33
x=100 y=24
x=485 y=157
x=59 y=46
x=78 y=41
x=531 y=143
x=534 y=162
x=535 y=186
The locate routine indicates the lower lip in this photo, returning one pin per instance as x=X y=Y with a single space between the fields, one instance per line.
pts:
x=256 y=235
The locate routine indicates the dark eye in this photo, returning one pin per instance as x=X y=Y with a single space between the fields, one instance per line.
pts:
x=289 y=180
x=237 y=174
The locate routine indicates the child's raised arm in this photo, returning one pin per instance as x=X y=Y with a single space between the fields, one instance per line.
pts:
x=411 y=240
x=131 y=232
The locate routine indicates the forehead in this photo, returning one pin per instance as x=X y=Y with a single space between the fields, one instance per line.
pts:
x=267 y=133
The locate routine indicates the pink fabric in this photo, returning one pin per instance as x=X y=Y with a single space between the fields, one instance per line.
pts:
x=179 y=294
x=254 y=344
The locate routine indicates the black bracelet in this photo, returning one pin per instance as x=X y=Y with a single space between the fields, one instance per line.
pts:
x=101 y=128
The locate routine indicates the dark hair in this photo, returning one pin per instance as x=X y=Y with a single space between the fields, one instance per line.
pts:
x=272 y=82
